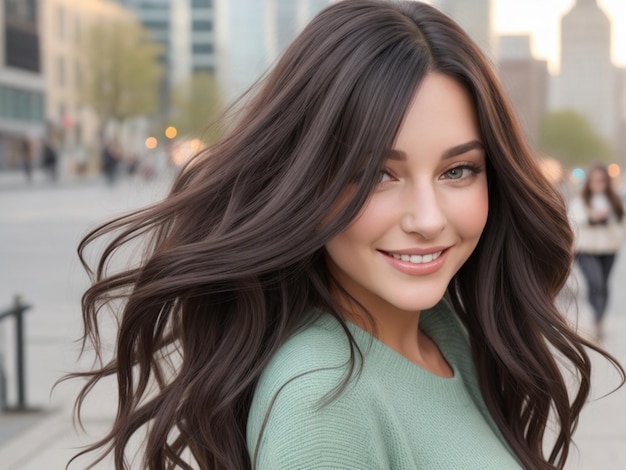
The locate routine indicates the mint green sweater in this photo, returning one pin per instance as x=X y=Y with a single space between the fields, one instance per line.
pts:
x=392 y=415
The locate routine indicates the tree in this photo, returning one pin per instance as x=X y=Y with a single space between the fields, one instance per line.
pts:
x=195 y=106
x=568 y=136
x=121 y=71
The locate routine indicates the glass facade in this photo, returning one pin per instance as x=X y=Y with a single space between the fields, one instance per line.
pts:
x=253 y=33
x=21 y=105
x=21 y=40
x=201 y=25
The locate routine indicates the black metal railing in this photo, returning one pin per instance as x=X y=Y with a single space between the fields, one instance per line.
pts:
x=17 y=312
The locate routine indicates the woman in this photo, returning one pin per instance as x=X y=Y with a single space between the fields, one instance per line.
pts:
x=598 y=214
x=360 y=274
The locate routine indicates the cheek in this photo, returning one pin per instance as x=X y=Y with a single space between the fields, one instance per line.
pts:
x=471 y=216
x=367 y=226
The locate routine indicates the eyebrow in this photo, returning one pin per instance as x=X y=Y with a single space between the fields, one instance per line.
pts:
x=461 y=149
x=451 y=152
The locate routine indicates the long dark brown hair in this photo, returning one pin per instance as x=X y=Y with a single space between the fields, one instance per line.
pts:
x=234 y=258
x=609 y=191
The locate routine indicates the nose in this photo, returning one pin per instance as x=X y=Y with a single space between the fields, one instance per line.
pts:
x=422 y=212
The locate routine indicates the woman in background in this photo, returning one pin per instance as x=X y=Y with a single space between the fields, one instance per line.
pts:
x=598 y=215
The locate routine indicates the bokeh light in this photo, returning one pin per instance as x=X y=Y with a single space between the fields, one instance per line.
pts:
x=151 y=143
x=614 y=170
x=578 y=173
x=183 y=150
x=551 y=169
x=171 y=132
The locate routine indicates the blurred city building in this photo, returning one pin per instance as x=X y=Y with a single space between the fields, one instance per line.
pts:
x=476 y=17
x=63 y=24
x=588 y=79
x=621 y=109
x=250 y=34
x=525 y=80
x=186 y=30
x=22 y=85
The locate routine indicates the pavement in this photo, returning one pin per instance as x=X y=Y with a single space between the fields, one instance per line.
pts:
x=40 y=226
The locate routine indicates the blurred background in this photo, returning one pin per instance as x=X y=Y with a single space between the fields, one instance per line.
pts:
x=148 y=76
x=101 y=101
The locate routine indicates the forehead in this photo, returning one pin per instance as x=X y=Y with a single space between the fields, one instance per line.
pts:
x=440 y=115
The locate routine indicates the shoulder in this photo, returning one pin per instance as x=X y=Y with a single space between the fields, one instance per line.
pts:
x=316 y=350
x=296 y=420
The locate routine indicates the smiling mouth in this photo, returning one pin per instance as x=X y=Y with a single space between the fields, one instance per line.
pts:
x=416 y=259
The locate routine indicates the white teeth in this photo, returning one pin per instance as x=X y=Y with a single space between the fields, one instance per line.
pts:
x=417 y=259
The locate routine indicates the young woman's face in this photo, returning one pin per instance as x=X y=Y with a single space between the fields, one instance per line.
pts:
x=427 y=213
x=597 y=181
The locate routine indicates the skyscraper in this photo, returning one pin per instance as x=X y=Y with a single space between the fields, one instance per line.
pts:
x=185 y=29
x=525 y=80
x=588 y=78
x=251 y=33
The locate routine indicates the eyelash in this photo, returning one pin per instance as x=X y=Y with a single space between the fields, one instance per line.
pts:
x=474 y=170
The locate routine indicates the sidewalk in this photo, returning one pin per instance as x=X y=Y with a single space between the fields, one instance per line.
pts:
x=16 y=180
x=40 y=227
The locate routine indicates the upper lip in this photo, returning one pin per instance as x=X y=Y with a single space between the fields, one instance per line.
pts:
x=416 y=251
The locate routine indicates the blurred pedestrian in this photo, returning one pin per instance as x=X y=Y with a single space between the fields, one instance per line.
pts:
x=27 y=158
x=110 y=161
x=50 y=160
x=598 y=216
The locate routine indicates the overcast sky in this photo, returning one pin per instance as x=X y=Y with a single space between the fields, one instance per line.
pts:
x=541 y=18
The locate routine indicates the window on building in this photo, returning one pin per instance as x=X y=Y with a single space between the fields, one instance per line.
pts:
x=3 y=102
x=23 y=11
x=60 y=22
x=202 y=48
x=148 y=5
x=204 y=69
x=202 y=25
x=21 y=104
x=202 y=3
x=78 y=75
x=156 y=24
x=77 y=28
x=61 y=71
x=21 y=48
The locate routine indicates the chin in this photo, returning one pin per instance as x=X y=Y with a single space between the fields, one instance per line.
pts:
x=418 y=304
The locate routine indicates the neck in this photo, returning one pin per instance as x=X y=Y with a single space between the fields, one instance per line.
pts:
x=397 y=329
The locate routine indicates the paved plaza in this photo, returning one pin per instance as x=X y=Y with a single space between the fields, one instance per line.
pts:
x=40 y=227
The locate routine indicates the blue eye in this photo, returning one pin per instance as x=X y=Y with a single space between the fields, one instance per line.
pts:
x=455 y=173
x=461 y=172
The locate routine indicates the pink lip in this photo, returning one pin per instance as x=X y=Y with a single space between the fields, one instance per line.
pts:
x=413 y=269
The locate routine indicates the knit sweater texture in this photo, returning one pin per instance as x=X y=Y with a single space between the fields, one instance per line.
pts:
x=392 y=414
